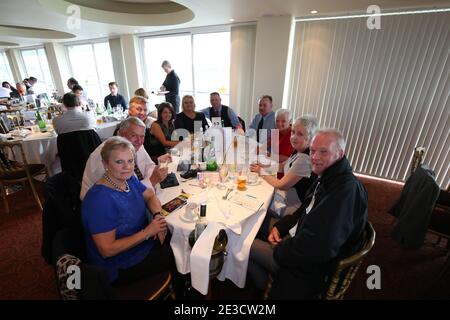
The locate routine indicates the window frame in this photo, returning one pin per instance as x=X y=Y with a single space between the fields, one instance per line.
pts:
x=168 y=33
x=8 y=69
x=90 y=42
x=22 y=61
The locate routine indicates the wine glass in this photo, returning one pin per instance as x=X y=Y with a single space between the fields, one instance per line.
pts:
x=223 y=172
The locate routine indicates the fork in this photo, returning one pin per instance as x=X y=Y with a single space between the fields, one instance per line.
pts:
x=228 y=192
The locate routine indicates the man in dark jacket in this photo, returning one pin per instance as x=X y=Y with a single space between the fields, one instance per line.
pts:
x=327 y=226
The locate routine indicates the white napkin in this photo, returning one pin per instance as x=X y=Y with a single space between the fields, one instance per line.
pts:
x=201 y=256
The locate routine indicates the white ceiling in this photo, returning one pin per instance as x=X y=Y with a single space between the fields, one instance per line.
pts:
x=30 y=13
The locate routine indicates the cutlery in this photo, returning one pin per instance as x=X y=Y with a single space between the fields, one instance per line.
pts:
x=228 y=192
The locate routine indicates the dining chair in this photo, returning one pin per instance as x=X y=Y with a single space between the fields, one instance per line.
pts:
x=14 y=169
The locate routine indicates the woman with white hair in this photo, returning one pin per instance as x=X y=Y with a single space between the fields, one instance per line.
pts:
x=120 y=237
x=283 y=124
x=291 y=188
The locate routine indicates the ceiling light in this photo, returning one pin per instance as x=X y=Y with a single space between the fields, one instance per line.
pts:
x=231 y=20
x=314 y=11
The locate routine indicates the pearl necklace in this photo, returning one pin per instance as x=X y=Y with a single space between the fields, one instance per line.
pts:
x=127 y=187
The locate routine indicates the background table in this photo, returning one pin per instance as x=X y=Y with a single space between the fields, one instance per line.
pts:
x=42 y=148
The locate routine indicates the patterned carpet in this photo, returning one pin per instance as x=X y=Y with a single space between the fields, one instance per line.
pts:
x=404 y=274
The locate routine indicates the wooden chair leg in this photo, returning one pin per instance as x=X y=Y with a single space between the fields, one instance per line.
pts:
x=35 y=194
x=5 y=199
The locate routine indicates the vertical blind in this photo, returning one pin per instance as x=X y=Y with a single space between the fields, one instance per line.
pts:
x=387 y=90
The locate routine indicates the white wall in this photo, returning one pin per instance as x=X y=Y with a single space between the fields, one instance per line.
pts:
x=132 y=65
x=271 y=55
x=115 y=46
x=59 y=65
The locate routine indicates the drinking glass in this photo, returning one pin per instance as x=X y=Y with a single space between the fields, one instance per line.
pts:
x=223 y=172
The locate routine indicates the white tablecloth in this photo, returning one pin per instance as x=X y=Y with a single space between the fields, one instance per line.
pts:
x=240 y=224
x=42 y=148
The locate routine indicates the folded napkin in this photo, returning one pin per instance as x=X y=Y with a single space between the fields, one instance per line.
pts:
x=201 y=256
x=20 y=133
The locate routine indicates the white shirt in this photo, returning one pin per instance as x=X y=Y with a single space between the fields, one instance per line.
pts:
x=73 y=120
x=94 y=169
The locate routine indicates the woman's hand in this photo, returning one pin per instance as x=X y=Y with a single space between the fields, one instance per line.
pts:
x=158 y=225
x=255 y=168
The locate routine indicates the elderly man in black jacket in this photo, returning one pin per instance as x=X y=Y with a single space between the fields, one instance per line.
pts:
x=328 y=225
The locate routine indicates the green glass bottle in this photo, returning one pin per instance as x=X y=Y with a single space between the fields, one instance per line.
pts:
x=40 y=122
x=211 y=164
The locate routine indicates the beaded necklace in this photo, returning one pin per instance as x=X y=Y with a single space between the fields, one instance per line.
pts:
x=127 y=187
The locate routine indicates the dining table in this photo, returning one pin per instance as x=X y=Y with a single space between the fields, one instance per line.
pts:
x=41 y=147
x=239 y=212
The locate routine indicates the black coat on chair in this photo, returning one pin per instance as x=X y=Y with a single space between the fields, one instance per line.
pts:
x=414 y=208
x=74 y=149
x=61 y=209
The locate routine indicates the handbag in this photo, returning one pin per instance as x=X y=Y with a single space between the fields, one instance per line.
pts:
x=170 y=181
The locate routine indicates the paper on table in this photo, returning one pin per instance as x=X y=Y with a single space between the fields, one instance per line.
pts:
x=247 y=201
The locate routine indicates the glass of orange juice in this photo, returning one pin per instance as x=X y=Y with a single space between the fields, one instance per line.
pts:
x=242 y=182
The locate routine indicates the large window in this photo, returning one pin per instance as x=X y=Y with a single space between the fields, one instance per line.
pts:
x=5 y=70
x=92 y=66
x=202 y=61
x=36 y=65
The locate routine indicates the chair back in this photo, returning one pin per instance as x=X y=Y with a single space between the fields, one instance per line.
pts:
x=13 y=159
x=348 y=266
x=74 y=149
x=419 y=154
x=61 y=210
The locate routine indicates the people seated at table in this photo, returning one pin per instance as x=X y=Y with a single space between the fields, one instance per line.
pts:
x=5 y=92
x=7 y=85
x=186 y=119
x=79 y=92
x=73 y=119
x=264 y=120
x=120 y=236
x=142 y=93
x=20 y=93
x=161 y=132
x=71 y=82
x=227 y=116
x=283 y=123
x=139 y=108
x=133 y=129
x=303 y=247
x=291 y=188
x=29 y=83
x=115 y=99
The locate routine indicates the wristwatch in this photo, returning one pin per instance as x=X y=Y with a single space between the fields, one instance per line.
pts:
x=157 y=213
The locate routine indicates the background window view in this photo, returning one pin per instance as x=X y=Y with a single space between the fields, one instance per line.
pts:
x=175 y=49
x=91 y=65
x=211 y=66
x=5 y=70
x=36 y=65
x=202 y=61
